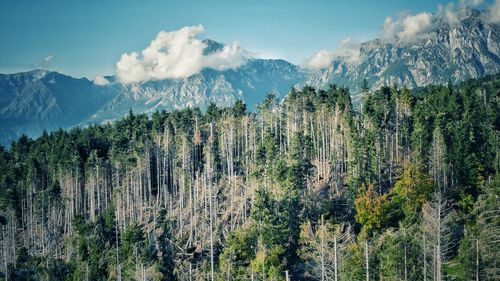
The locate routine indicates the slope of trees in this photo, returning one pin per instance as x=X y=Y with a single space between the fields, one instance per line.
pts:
x=305 y=188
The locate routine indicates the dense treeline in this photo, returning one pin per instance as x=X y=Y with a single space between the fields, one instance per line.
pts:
x=305 y=188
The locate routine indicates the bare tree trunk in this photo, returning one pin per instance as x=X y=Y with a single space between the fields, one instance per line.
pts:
x=406 y=267
x=335 y=257
x=190 y=271
x=323 y=270
x=405 y=254
x=424 y=257
x=477 y=260
x=118 y=267
x=211 y=211
x=435 y=263
x=367 y=262
x=438 y=247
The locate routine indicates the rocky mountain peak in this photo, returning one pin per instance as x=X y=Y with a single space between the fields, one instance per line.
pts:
x=212 y=47
x=462 y=48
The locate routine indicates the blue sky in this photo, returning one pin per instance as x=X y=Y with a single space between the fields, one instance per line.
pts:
x=87 y=38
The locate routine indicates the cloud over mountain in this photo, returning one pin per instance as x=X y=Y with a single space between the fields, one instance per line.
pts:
x=320 y=59
x=493 y=13
x=177 y=54
x=100 y=80
x=347 y=49
x=407 y=27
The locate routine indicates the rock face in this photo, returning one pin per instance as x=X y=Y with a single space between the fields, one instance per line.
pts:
x=39 y=100
x=456 y=52
x=251 y=83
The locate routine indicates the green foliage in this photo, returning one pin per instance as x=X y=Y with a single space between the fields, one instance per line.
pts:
x=371 y=210
x=131 y=237
x=25 y=268
x=400 y=250
x=354 y=263
x=239 y=109
x=238 y=254
x=410 y=191
x=269 y=219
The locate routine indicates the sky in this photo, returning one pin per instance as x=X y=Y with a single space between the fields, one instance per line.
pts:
x=88 y=38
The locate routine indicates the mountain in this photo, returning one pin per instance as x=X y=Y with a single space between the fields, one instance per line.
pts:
x=251 y=83
x=467 y=49
x=41 y=100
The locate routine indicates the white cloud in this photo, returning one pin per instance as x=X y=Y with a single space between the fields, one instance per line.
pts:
x=320 y=59
x=44 y=62
x=347 y=49
x=451 y=12
x=492 y=14
x=470 y=3
x=100 y=80
x=47 y=59
x=177 y=54
x=388 y=29
x=231 y=56
x=407 y=27
x=416 y=25
x=448 y=13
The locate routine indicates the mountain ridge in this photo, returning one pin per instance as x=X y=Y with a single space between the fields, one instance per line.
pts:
x=467 y=49
x=38 y=100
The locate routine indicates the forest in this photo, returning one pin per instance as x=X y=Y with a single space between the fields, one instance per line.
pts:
x=402 y=186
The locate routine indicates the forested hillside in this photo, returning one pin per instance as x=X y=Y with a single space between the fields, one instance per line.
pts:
x=305 y=188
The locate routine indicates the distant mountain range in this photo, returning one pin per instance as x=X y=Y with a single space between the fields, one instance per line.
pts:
x=468 y=49
x=40 y=100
